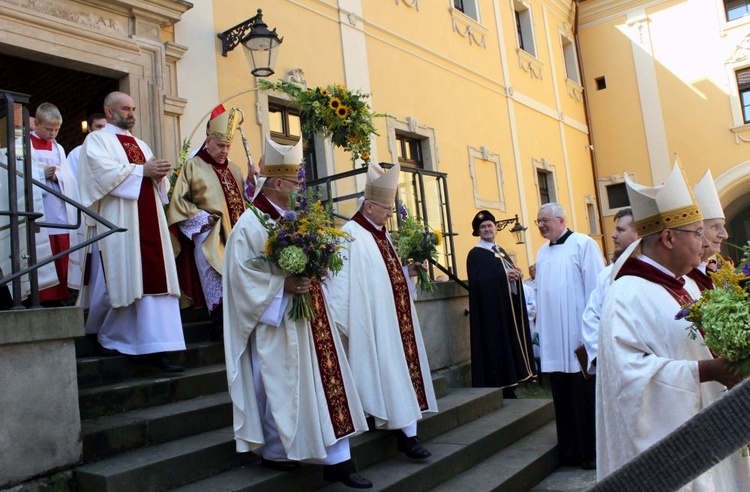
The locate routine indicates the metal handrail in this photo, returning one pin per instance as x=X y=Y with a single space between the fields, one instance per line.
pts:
x=11 y=99
x=448 y=234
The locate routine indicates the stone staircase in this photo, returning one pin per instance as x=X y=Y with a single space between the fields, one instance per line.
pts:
x=145 y=431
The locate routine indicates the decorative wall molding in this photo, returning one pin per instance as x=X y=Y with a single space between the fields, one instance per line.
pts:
x=410 y=125
x=741 y=52
x=413 y=123
x=409 y=3
x=486 y=155
x=737 y=133
x=529 y=64
x=574 y=90
x=604 y=182
x=467 y=27
x=545 y=165
x=297 y=76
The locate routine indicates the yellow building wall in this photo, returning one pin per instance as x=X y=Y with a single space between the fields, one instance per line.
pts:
x=416 y=64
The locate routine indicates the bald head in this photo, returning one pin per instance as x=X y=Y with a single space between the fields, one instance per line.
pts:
x=119 y=108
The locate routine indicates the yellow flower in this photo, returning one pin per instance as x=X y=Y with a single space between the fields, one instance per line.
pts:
x=334 y=103
x=439 y=237
x=324 y=92
x=342 y=112
x=269 y=248
x=352 y=138
x=365 y=156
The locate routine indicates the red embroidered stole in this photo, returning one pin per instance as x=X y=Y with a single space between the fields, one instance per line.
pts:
x=675 y=286
x=329 y=366
x=40 y=144
x=263 y=204
x=152 y=255
x=232 y=193
x=704 y=281
x=402 y=304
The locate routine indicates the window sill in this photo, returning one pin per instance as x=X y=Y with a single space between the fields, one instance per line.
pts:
x=529 y=63
x=574 y=89
x=467 y=27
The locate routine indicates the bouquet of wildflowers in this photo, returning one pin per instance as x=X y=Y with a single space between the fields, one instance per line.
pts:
x=304 y=243
x=181 y=160
x=339 y=114
x=415 y=241
x=723 y=314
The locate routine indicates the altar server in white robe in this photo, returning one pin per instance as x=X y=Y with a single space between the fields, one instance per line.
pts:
x=372 y=301
x=566 y=270
x=623 y=236
x=713 y=228
x=293 y=393
x=133 y=285
x=651 y=376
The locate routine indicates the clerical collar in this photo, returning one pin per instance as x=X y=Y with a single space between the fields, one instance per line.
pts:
x=203 y=154
x=265 y=205
x=368 y=225
x=115 y=129
x=562 y=238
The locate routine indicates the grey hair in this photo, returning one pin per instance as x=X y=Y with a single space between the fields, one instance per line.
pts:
x=556 y=209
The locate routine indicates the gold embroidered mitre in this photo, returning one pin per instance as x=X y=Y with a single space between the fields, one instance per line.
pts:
x=381 y=184
x=282 y=161
x=662 y=207
x=223 y=123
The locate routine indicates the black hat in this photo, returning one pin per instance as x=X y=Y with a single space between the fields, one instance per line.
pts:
x=482 y=216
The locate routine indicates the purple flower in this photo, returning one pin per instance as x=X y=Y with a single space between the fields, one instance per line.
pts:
x=402 y=211
x=746 y=269
x=682 y=313
x=290 y=215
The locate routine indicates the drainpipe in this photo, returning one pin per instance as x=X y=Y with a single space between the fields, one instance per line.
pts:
x=592 y=154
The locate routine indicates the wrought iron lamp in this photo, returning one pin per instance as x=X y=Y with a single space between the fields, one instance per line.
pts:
x=518 y=229
x=261 y=46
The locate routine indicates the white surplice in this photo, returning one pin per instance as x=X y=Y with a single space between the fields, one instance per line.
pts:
x=592 y=314
x=648 y=382
x=363 y=302
x=262 y=345
x=565 y=276
x=110 y=185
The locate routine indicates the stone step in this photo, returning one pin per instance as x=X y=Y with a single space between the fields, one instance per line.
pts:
x=109 y=435
x=518 y=467
x=97 y=370
x=145 y=392
x=166 y=465
x=458 y=450
x=163 y=466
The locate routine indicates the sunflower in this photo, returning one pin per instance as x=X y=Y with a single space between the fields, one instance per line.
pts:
x=439 y=237
x=342 y=112
x=365 y=156
x=334 y=103
x=324 y=92
x=352 y=138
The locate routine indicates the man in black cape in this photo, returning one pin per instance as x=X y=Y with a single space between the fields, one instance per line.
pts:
x=501 y=351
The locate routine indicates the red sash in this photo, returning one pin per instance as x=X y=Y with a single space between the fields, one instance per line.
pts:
x=329 y=367
x=675 y=286
x=152 y=255
x=402 y=306
x=704 y=281
x=232 y=193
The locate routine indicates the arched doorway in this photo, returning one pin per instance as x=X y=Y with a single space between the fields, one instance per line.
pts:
x=734 y=190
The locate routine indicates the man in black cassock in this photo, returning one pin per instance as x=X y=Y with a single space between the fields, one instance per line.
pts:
x=501 y=351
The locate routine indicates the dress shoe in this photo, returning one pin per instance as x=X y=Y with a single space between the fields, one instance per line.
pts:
x=411 y=448
x=346 y=473
x=166 y=365
x=589 y=464
x=279 y=465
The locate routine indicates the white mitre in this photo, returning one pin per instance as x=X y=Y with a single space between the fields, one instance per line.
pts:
x=381 y=184
x=708 y=197
x=282 y=161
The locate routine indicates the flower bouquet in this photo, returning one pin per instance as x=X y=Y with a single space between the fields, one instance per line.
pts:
x=339 y=114
x=181 y=160
x=722 y=314
x=416 y=242
x=304 y=243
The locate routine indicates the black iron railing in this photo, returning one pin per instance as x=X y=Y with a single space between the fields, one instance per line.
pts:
x=15 y=136
x=424 y=193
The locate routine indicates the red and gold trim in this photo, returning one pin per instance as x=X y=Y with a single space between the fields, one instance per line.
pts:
x=329 y=366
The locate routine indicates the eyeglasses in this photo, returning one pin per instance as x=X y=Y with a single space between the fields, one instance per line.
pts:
x=384 y=207
x=698 y=233
x=293 y=181
x=545 y=220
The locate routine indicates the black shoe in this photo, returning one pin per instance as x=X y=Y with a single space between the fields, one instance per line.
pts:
x=108 y=352
x=346 y=473
x=589 y=464
x=166 y=364
x=411 y=448
x=279 y=465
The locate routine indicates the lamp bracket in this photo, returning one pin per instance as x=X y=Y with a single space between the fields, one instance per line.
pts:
x=502 y=224
x=233 y=36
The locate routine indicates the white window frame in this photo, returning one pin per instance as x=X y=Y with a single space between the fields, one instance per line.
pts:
x=592 y=219
x=471 y=9
x=522 y=8
x=604 y=195
x=549 y=168
x=410 y=127
x=568 y=47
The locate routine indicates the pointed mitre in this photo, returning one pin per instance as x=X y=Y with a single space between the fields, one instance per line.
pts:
x=708 y=197
x=381 y=184
x=662 y=207
x=223 y=123
x=282 y=161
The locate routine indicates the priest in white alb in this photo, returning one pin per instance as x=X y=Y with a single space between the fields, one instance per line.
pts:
x=133 y=286
x=652 y=376
x=373 y=305
x=292 y=391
